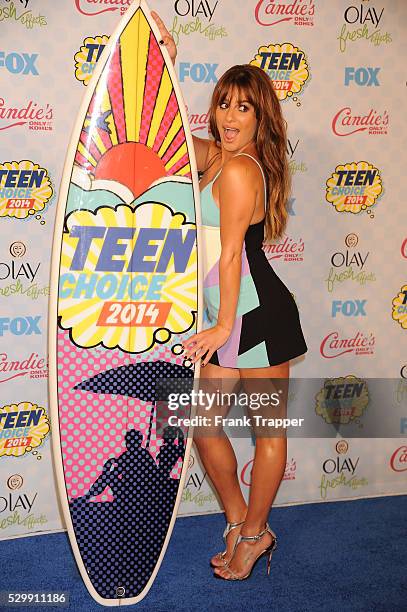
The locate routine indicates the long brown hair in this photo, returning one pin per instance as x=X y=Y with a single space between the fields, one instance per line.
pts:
x=271 y=137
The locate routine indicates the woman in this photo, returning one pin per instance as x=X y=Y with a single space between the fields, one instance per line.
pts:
x=251 y=319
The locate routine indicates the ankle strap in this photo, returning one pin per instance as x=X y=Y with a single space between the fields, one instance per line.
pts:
x=255 y=537
x=229 y=527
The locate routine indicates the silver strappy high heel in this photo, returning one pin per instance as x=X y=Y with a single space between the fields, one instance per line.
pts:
x=267 y=551
x=221 y=555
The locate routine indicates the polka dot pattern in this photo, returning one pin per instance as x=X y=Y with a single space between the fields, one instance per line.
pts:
x=121 y=494
x=121 y=540
x=97 y=421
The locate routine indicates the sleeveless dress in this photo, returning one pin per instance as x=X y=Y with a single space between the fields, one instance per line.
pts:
x=267 y=329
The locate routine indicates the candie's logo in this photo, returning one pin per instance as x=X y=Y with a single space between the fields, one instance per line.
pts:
x=273 y=12
x=354 y=187
x=342 y=400
x=399 y=312
x=198 y=122
x=33 y=115
x=33 y=366
x=398 y=460
x=96 y=7
x=87 y=57
x=288 y=250
x=23 y=427
x=287 y=67
x=336 y=344
x=346 y=122
x=122 y=276
x=25 y=189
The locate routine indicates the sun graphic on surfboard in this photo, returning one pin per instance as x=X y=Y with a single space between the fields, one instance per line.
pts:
x=133 y=132
x=132 y=141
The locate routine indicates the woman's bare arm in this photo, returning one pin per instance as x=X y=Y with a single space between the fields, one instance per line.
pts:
x=237 y=204
x=237 y=199
x=201 y=146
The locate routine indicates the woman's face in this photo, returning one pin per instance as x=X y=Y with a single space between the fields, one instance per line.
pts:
x=236 y=121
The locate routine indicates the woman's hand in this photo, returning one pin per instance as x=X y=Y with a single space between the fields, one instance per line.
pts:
x=166 y=37
x=207 y=341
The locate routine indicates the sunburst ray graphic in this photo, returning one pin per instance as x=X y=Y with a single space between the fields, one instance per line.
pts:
x=133 y=132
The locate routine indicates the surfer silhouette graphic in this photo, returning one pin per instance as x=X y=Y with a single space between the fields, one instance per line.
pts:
x=120 y=474
x=169 y=451
x=143 y=492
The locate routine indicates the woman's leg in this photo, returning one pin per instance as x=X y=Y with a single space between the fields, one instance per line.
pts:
x=268 y=469
x=217 y=454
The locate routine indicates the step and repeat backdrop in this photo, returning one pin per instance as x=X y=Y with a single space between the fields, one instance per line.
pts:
x=337 y=69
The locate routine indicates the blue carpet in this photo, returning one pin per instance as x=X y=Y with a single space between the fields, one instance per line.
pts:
x=331 y=556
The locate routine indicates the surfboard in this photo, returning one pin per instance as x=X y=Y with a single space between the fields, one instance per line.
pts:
x=125 y=294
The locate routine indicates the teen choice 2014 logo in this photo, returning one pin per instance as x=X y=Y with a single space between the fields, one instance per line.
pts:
x=23 y=428
x=287 y=67
x=87 y=57
x=399 y=312
x=25 y=189
x=128 y=276
x=354 y=187
x=342 y=399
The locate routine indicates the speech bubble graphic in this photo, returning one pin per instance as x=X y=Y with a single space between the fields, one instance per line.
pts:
x=88 y=55
x=25 y=189
x=354 y=187
x=128 y=276
x=342 y=399
x=399 y=312
x=23 y=427
x=287 y=67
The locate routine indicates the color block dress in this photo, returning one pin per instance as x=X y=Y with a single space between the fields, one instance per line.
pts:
x=267 y=329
